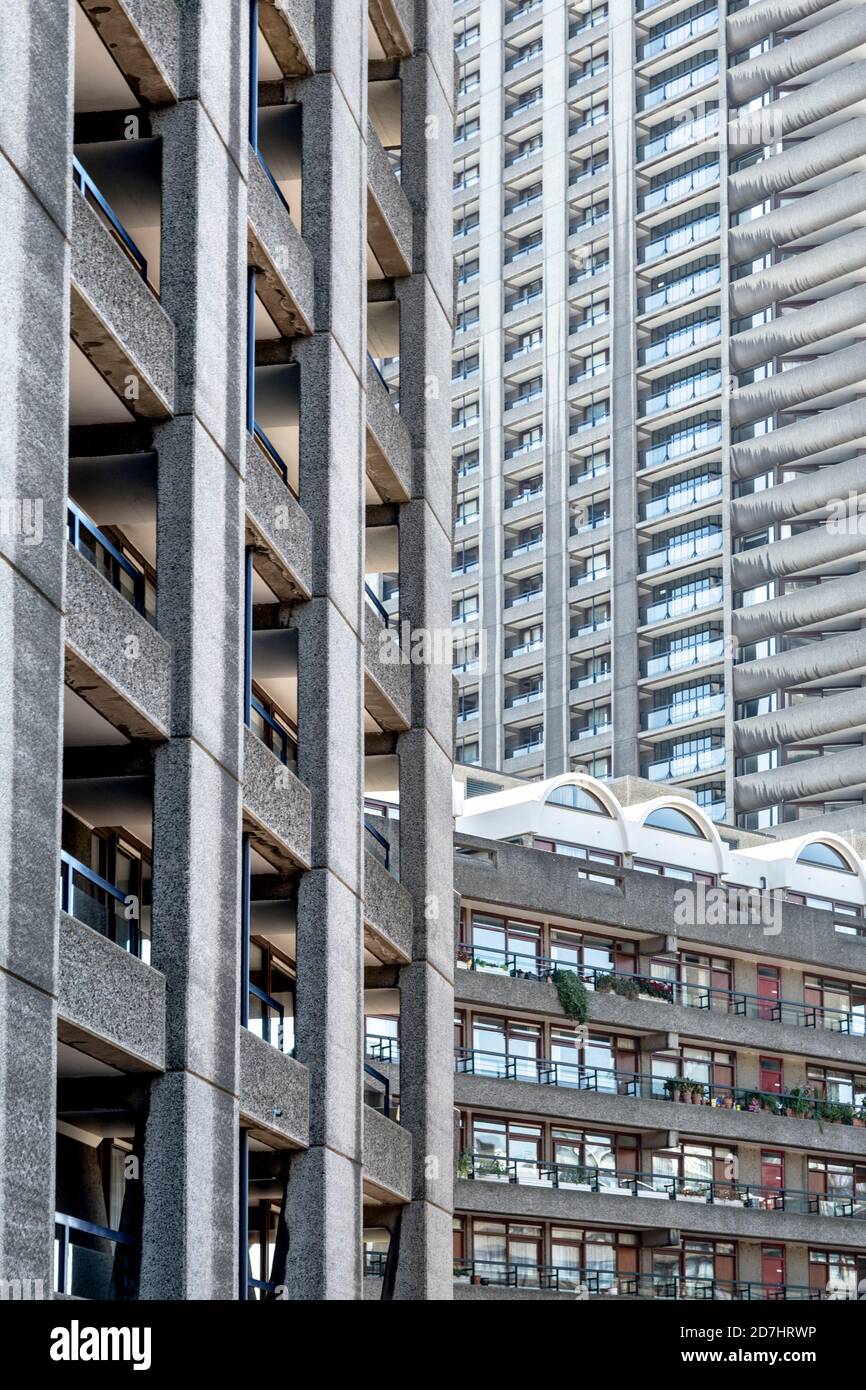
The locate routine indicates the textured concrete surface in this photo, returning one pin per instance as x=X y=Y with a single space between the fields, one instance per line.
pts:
x=277 y=527
x=274 y=1094
x=387 y=1158
x=285 y=285
x=390 y=461
x=120 y=650
x=277 y=801
x=116 y=320
x=387 y=914
x=121 y=1020
x=489 y=990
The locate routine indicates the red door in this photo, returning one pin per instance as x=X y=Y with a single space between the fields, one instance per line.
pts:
x=772 y=1177
x=769 y=991
x=772 y=1269
x=771 y=1075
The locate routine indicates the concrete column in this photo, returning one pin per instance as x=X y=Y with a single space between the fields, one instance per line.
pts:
x=491 y=438
x=425 y=751
x=556 y=369
x=190 y=1172
x=623 y=493
x=325 y=1189
x=35 y=177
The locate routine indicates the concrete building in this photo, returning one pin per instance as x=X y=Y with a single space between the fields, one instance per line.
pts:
x=690 y=1123
x=658 y=397
x=217 y=218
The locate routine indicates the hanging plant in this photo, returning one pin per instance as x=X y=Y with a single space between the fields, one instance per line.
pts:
x=572 y=995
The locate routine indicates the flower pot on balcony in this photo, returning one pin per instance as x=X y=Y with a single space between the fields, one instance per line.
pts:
x=858 y=1124
x=728 y=1103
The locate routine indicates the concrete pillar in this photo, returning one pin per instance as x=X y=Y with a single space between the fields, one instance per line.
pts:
x=35 y=180
x=325 y=1188
x=190 y=1173
x=425 y=751
x=623 y=549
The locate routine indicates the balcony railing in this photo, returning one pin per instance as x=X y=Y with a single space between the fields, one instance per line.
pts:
x=575 y=1177
x=382 y=1047
x=83 y=1269
x=678 y=659
x=572 y=1279
x=681 y=551
x=684 y=710
x=600 y=979
x=684 y=765
x=683 y=604
x=104 y=555
x=99 y=904
x=547 y=1071
x=374 y=1263
x=378 y=846
x=90 y=192
x=273 y=734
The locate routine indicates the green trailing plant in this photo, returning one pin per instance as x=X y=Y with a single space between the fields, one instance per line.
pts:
x=572 y=995
x=605 y=984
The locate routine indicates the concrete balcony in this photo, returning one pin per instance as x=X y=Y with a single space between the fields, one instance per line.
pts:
x=389 y=447
x=117 y=321
x=143 y=37
x=387 y=914
x=387 y=1158
x=274 y=1094
x=276 y=807
x=494 y=990
x=290 y=29
x=699 y=1121
x=389 y=216
x=386 y=681
x=720 y=1221
x=110 y=1005
x=285 y=282
x=278 y=528
x=114 y=658
x=546 y=884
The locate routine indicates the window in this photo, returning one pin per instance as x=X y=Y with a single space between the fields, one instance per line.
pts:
x=824 y=856
x=577 y=799
x=669 y=818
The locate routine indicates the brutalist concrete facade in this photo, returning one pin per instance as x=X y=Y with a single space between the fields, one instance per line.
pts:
x=579 y=1172
x=193 y=469
x=626 y=598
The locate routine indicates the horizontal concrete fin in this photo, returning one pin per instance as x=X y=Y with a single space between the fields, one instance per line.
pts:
x=800 y=440
x=801 y=722
x=799 y=328
x=832 y=372
x=753 y=23
x=795 y=554
x=798 y=274
x=797 y=497
x=799 y=55
x=801 y=608
x=797 y=219
x=813 y=662
x=810 y=778
x=823 y=152
x=812 y=102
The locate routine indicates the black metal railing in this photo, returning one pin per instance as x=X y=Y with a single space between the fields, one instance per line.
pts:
x=600 y=1280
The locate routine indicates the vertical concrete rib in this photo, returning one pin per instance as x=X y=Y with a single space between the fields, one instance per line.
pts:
x=324 y=1197
x=425 y=751
x=190 y=1168
x=624 y=647
x=35 y=181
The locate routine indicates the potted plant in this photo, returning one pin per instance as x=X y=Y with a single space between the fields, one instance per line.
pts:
x=728 y=1101
x=844 y=1115
x=858 y=1118
x=674 y=1087
x=464 y=1164
x=605 y=984
x=699 y=1094
x=464 y=957
x=628 y=988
